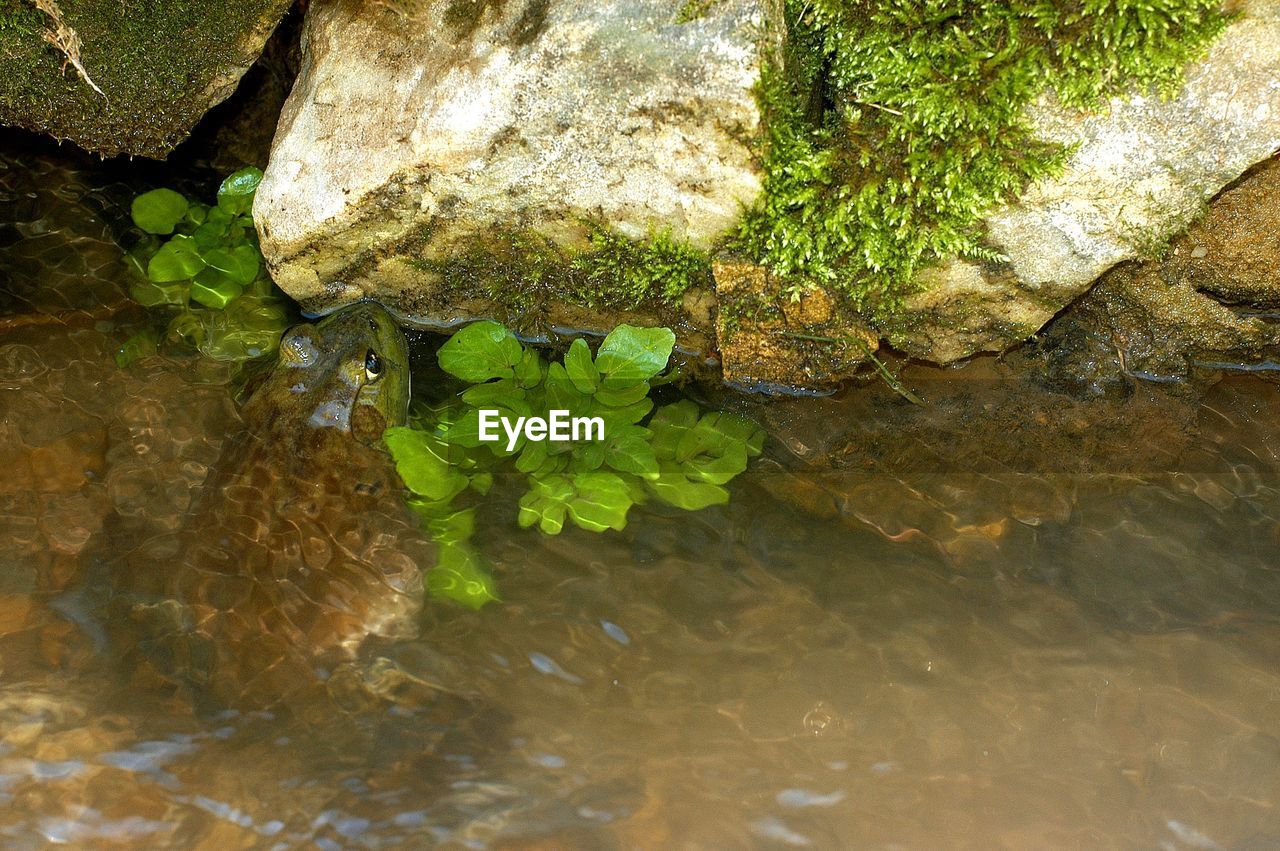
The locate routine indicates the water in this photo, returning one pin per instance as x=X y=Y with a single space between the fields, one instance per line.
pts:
x=1007 y=619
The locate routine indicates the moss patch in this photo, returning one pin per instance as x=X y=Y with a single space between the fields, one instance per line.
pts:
x=519 y=269
x=158 y=64
x=893 y=126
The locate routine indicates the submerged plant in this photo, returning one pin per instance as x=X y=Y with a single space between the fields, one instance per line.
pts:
x=677 y=454
x=894 y=126
x=207 y=270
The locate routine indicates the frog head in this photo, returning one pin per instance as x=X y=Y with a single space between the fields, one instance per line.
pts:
x=349 y=371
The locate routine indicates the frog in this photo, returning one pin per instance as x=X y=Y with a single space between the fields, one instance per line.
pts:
x=300 y=550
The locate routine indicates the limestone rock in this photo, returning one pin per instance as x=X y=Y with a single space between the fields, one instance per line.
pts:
x=1142 y=170
x=125 y=77
x=418 y=128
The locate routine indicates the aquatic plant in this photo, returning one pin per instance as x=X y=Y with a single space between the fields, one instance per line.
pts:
x=209 y=272
x=677 y=454
x=893 y=126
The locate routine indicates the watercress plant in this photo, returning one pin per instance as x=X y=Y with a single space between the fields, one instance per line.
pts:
x=202 y=262
x=678 y=455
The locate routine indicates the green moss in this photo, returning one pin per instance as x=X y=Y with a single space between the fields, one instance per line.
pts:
x=153 y=61
x=893 y=126
x=692 y=10
x=522 y=268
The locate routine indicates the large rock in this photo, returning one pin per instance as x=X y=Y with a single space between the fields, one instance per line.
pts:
x=1143 y=169
x=128 y=77
x=417 y=130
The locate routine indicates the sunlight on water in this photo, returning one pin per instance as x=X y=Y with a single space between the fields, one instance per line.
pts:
x=1006 y=620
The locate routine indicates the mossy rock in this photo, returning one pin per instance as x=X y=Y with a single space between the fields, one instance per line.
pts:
x=131 y=77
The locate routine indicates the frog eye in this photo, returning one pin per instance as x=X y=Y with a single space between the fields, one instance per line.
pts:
x=372 y=365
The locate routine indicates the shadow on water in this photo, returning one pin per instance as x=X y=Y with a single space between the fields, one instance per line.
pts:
x=1008 y=618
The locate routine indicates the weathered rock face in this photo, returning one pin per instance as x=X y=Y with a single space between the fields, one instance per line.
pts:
x=1144 y=167
x=417 y=128
x=125 y=78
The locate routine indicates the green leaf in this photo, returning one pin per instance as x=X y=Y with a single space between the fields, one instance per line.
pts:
x=149 y=294
x=481 y=351
x=460 y=575
x=240 y=264
x=717 y=469
x=214 y=289
x=674 y=489
x=580 y=368
x=235 y=195
x=177 y=260
x=739 y=428
x=683 y=414
x=422 y=462
x=530 y=370
x=139 y=346
x=563 y=395
x=629 y=451
x=546 y=503
x=249 y=327
x=504 y=393
x=630 y=355
x=452 y=527
x=533 y=457
x=621 y=397
x=614 y=418
x=209 y=235
x=601 y=501
x=159 y=210
x=587 y=456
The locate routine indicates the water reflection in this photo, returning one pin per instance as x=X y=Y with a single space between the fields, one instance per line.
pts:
x=1008 y=619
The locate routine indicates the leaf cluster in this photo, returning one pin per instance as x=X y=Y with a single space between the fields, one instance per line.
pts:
x=677 y=455
x=893 y=126
x=203 y=262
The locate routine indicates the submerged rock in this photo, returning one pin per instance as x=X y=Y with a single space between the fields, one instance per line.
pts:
x=417 y=131
x=125 y=78
x=1143 y=168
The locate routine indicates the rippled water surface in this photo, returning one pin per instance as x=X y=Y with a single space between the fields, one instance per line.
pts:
x=1006 y=620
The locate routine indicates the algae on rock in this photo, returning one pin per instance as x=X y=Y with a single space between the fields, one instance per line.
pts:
x=142 y=73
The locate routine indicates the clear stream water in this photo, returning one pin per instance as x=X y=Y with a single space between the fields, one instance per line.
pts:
x=1006 y=620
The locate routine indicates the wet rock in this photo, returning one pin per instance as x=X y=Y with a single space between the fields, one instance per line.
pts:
x=1142 y=169
x=418 y=128
x=1212 y=298
x=768 y=340
x=126 y=79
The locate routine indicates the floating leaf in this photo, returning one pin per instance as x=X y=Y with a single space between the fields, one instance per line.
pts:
x=630 y=355
x=158 y=211
x=480 y=352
